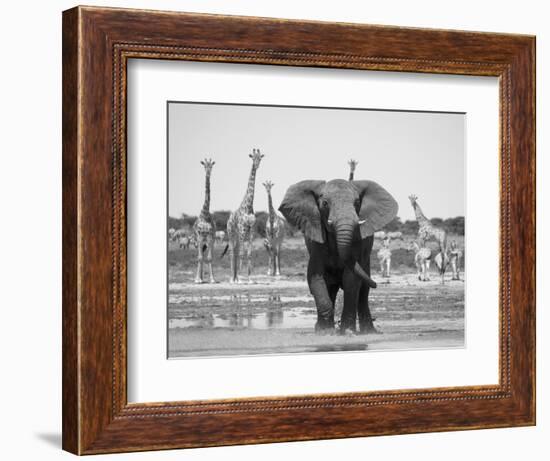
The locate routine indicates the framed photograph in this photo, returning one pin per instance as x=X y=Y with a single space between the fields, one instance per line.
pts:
x=282 y=230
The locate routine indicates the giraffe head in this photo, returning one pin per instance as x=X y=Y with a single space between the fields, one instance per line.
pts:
x=208 y=163
x=268 y=185
x=256 y=157
x=413 y=198
x=352 y=164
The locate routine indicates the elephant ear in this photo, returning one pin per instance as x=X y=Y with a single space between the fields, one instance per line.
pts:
x=378 y=207
x=300 y=208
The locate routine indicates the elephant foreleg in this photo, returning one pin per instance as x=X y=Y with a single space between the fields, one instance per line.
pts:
x=351 y=284
x=324 y=303
x=366 y=322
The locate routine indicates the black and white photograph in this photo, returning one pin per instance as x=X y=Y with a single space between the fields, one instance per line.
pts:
x=313 y=229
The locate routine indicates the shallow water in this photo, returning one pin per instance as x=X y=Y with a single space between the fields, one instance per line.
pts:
x=273 y=318
x=269 y=311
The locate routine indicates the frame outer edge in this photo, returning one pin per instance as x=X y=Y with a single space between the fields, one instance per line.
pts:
x=523 y=233
x=90 y=420
x=70 y=178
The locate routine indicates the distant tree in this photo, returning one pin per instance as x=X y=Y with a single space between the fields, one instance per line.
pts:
x=455 y=225
x=188 y=221
x=174 y=223
x=410 y=227
x=185 y=222
x=261 y=219
x=437 y=222
x=394 y=225
x=220 y=218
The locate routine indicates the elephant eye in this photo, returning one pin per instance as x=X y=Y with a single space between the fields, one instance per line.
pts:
x=324 y=203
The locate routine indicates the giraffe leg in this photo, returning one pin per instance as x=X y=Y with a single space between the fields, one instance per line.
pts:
x=249 y=259
x=278 y=262
x=239 y=260
x=237 y=263
x=209 y=259
x=269 y=259
x=233 y=253
x=426 y=273
x=274 y=260
x=389 y=266
x=198 y=277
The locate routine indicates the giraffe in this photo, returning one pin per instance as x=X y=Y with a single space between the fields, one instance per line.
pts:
x=274 y=233
x=241 y=225
x=422 y=258
x=352 y=164
x=455 y=256
x=384 y=257
x=204 y=228
x=426 y=231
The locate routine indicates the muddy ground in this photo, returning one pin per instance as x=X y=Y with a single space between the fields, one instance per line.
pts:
x=276 y=315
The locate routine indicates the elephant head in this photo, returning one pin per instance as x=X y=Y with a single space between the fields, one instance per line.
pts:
x=344 y=210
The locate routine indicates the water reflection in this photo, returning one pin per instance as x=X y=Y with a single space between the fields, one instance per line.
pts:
x=275 y=317
x=272 y=318
x=341 y=347
x=263 y=311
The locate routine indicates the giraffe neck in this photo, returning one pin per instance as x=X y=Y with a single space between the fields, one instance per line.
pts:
x=248 y=201
x=419 y=215
x=271 y=210
x=206 y=205
x=351 y=175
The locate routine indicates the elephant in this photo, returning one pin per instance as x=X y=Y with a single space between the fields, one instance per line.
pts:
x=338 y=219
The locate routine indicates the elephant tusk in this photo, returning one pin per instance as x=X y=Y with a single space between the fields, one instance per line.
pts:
x=361 y=273
x=362 y=221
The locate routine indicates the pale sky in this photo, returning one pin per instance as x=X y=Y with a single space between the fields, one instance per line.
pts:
x=405 y=152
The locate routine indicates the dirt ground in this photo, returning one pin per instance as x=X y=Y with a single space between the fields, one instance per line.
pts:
x=276 y=315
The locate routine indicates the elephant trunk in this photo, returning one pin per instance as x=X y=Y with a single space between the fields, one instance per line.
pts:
x=344 y=238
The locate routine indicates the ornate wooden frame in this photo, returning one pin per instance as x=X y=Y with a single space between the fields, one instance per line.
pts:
x=97 y=43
